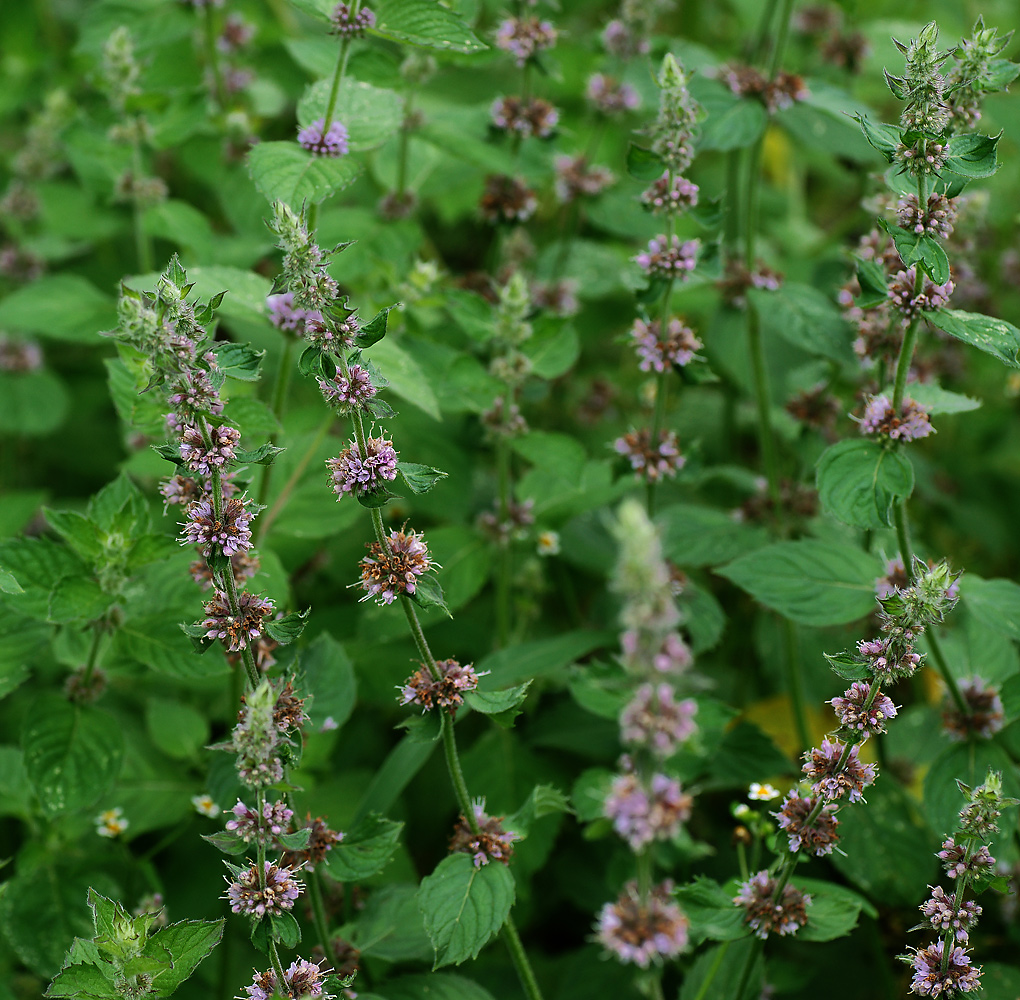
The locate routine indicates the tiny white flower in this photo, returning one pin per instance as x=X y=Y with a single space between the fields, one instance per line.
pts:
x=328 y=724
x=548 y=543
x=111 y=823
x=762 y=793
x=204 y=804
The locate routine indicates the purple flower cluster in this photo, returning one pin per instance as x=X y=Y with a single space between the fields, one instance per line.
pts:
x=387 y=573
x=667 y=197
x=359 y=474
x=888 y=658
x=651 y=463
x=611 y=97
x=923 y=156
x=202 y=459
x=507 y=199
x=860 y=714
x=421 y=688
x=490 y=843
x=936 y=220
x=655 y=720
x=668 y=257
x=833 y=776
x=765 y=917
x=620 y=39
x=658 y=353
x=958 y=861
x=236 y=632
x=910 y=424
x=230 y=532
x=348 y=391
x=670 y=656
x=910 y=301
x=643 y=931
x=246 y=895
x=301 y=979
x=642 y=813
x=194 y=393
x=575 y=178
x=820 y=837
x=249 y=825
x=346 y=25
x=522 y=37
x=320 y=141
x=943 y=914
x=284 y=315
x=985 y=715
x=931 y=980
x=18 y=355
x=334 y=336
x=534 y=117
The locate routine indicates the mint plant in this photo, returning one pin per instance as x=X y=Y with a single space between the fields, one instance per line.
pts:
x=482 y=489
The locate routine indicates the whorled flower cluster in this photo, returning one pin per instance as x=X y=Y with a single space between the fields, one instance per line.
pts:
x=668 y=257
x=489 y=843
x=246 y=895
x=230 y=532
x=421 y=688
x=936 y=220
x=320 y=842
x=525 y=117
x=643 y=931
x=654 y=720
x=659 y=353
x=240 y=630
x=862 y=712
x=611 y=97
x=300 y=979
x=817 y=838
x=642 y=813
x=576 y=178
x=348 y=25
x=880 y=419
x=322 y=141
x=350 y=390
x=765 y=917
x=249 y=825
x=836 y=771
x=985 y=714
x=651 y=462
x=910 y=301
x=284 y=315
x=387 y=573
x=201 y=458
x=507 y=199
x=670 y=196
x=523 y=37
x=359 y=475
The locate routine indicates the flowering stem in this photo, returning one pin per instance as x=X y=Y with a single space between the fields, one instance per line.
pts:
x=319 y=911
x=904 y=359
x=716 y=966
x=781 y=36
x=504 y=565
x=274 y=512
x=280 y=386
x=227 y=577
x=520 y=960
x=212 y=57
x=456 y=774
x=339 y=71
x=90 y=663
x=745 y=974
x=274 y=955
x=143 y=243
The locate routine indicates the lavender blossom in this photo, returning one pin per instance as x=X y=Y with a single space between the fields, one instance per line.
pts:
x=490 y=843
x=534 y=117
x=855 y=714
x=820 y=837
x=446 y=693
x=957 y=862
x=236 y=633
x=929 y=978
x=910 y=301
x=320 y=842
x=194 y=393
x=910 y=424
x=620 y=40
x=246 y=896
x=658 y=353
x=347 y=26
x=249 y=825
x=575 y=178
x=522 y=37
x=301 y=979
x=284 y=315
x=643 y=932
x=666 y=197
x=641 y=814
x=936 y=220
x=895 y=578
x=985 y=717
x=230 y=532
x=507 y=199
x=943 y=914
x=651 y=463
x=331 y=143
x=610 y=97
x=360 y=475
x=17 y=355
x=386 y=575
x=655 y=720
x=334 y=336
x=765 y=917
x=348 y=391
x=887 y=660
x=668 y=257
x=202 y=459
x=831 y=780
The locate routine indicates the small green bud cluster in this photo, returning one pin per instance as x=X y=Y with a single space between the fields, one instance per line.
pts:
x=977 y=72
x=674 y=130
x=922 y=86
x=304 y=262
x=120 y=70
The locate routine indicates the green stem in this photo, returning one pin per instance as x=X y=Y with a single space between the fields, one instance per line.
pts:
x=90 y=663
x=655 y=984
x=763 y=404
x=267 y=519
x=212 y=57
x=520 y=959
x=780 y=47
x=280 y=386
x=227 y=578
x=456 y=773
x=902 y=535
x=319 y=912
x=504 y=562
x=764 y=24
x=713 y=971
x=143 y=242
x=904 y=359
x=756 y=945
x=795 y=683
x=274 y=956
x=338 y=73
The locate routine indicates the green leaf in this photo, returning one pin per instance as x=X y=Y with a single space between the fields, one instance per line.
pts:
x=419 y=478
x=60 y=306
x=72 y=754
x=938 y=400
x=39 y=564
x=288 y=628
x=814 y=583
x=370 y=115
x=544 y=800
x=435 y=986
x=720 y=970
x=886 y=848
x=264 y=454
x=81 y=982
x=711 y=911
x=503 y=706
x=228 y=843
x=553 y=347
x=732 y=122
x=365 y=850
x=987 y=333
x=155 y=642
x=995 y=604
x=239 y=361
x=849 y=666
x=77 y=598
x=542 y=657
x=375 y=329
x=464 y=906
x=296 y=841
x=972 y=155
x=859 y=481
x=805 y=317
x=885 y=138
x=428 y=593
x=405 y=376
x=643 y=164
x=9 y=583
x=693 y=535
x=283 y=171
x=179 y=730
x=329 y=679
x=871 y=278
x=32 y=403
x=424 y=23
x=833 y=911
x=77 y=530
x=188 y=942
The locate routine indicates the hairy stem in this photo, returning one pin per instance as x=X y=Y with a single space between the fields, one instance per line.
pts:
x=319 y=912
x=279 y=401
x=520 y=959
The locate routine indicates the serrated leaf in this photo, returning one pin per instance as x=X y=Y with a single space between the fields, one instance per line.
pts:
x=814 y=583
x=288 y=628
x=503 y=706
x=77 y=598
x=77 y=530
x=871 y=278
x=296 y=841
x=378 y=497
x=428 y=593
x=937 y=400
x=643 y=164
x=833 y=911
x=995 y=604
x=369 y=114
x=693 y=535
x=9 y=583
x=310 y=362
x=283 y=171
x=155 y=642
x=72 y=754
x=405 y=376
x=264 y=454
x=972 y=154
x=885 y=138
x=286 y=930
x=419 y=478
x=805 y=317
x=424 y=23
x=464 y=906
x=711 y=911
x=227 y=842
x=859 y=481
x=239 y=361
x=60 y=306
x=544 y=800
x=82 y=982
x=188 y=943
x=849 y=666
x=365 y=850
x=987 y=333
x=732 y=122
x=375 y=329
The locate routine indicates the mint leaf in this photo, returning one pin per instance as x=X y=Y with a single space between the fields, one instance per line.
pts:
x=365 y=850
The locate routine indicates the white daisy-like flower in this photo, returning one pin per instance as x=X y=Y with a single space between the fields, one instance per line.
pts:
x=205 y=806
x=111 y=822
x=762 y=793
